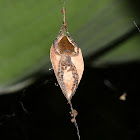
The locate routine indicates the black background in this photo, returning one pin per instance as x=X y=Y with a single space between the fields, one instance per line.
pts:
x=41 y=111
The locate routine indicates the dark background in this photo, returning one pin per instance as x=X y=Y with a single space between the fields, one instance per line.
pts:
x=41 y=111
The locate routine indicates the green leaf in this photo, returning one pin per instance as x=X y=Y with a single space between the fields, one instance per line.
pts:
x=128 y=51
x=28 y=28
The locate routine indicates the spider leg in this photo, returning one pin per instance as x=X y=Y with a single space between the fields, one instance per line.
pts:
x=54 y=46
x=75 y=77
x=75 y=45
x=55 y=41
x=60 y=75
x=68 y=34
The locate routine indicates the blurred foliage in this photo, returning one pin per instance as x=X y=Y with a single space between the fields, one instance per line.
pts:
x=28 y=28
x=128 y=51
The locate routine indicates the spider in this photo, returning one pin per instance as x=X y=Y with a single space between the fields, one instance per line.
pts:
x=66 y=50
x=68 y=65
